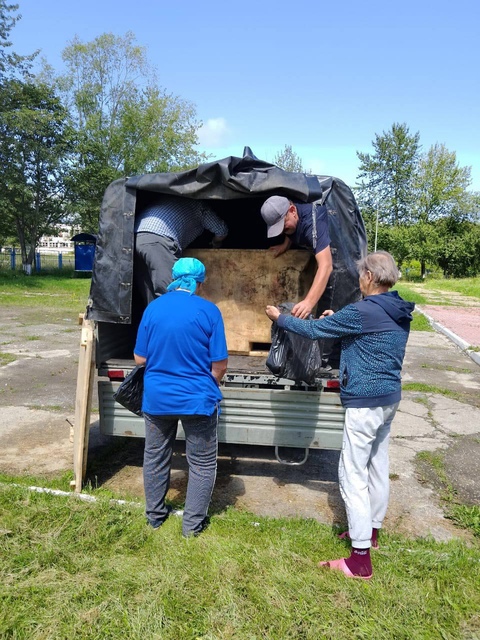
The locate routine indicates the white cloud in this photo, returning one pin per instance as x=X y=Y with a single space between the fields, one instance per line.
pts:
x=213 y=133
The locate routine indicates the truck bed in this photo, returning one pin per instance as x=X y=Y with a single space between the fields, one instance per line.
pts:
x=257 y=407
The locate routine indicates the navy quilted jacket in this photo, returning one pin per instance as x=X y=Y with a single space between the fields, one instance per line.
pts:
x=374 y=334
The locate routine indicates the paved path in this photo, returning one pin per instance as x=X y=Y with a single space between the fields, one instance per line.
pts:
x=456 y=316
x=462 y=321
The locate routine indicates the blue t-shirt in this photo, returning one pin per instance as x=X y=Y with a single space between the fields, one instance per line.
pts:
x=180 y=335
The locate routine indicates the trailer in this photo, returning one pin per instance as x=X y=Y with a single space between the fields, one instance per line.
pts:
x=258 y=408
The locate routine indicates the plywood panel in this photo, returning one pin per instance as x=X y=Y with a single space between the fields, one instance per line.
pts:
x=241 y=282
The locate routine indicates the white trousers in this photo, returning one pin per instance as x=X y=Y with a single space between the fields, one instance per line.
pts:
x=363 y=470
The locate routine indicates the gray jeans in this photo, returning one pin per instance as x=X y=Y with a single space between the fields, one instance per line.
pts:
x=201 y=449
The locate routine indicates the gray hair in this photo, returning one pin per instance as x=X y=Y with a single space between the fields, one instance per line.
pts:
x=382 y=267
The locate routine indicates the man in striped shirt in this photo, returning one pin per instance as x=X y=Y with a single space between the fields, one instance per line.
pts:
x=163 y=230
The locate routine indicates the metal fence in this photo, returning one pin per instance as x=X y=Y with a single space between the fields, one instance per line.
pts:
x=43 y=261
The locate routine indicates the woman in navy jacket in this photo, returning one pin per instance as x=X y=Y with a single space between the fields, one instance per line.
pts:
x=374 y=334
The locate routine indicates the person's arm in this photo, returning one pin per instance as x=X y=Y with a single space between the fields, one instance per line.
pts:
x=324 y=268
x=139 y=359
x=219 y=369
x=215 y=225
x=346 y=322
x=278 y=249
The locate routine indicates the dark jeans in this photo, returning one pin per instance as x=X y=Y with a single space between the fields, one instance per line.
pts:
x=201 y=450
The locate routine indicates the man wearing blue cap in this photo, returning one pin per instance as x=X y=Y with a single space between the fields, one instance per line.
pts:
x=181 y=340
x=305 y=225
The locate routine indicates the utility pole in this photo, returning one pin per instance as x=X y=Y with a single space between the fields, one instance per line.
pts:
x=376 y=231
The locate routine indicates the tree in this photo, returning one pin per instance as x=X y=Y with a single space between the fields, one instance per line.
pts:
x=386 y=176
x=288 y=160
x=441 y=185
x=35 y=142
x=11 y=65
x=126 y=124
x=441 y=191
x=10 y=62
x=458 y=250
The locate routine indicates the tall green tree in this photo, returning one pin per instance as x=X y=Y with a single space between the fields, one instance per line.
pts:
x=35 y=143
x=11 y=63
x=441 y=185
x=288 y=160
x=441 y=188
x=126 y=123
x=386 y=177
x=458 y=248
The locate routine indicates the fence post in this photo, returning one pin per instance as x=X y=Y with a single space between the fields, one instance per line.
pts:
x=37 y=261
x=12 y=259
x=60 y=260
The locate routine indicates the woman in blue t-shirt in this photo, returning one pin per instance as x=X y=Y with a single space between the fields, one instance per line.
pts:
x=181 y=340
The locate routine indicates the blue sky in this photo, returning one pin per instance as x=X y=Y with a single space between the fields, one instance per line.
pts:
x=323 y=79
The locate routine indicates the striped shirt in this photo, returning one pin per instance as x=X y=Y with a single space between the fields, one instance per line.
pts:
x=181 y=219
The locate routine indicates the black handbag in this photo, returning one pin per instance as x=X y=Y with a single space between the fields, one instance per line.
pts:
x=130 y=393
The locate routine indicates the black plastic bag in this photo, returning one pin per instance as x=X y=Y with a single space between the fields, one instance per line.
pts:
x=130 y=393
x=292 y=356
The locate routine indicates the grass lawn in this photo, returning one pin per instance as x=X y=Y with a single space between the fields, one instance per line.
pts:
x=72 y=569
x=419 y=291
x=55 y=290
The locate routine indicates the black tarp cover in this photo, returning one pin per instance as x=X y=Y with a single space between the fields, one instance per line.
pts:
x=230 y=179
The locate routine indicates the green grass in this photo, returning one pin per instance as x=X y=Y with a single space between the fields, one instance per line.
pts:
x=464 y=286
x=6 y=358
x=93 y=571
x=55 y=291
x=430 y=388
x=443 y=367
x=407 y=293
x=420 y=323
x=465 y=516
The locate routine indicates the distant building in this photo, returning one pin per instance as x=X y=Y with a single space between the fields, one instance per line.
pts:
x=59 y=243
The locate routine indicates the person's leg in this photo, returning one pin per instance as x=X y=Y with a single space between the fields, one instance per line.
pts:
x=201 y=449
x=360 y=431
x=378 y=469
x=154 y=258
x=160 y=433
x=359 y=434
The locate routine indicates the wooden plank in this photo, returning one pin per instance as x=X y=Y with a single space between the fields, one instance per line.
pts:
x=241 y=282
x=83 y=403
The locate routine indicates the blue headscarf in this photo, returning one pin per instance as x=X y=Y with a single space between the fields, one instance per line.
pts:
x=186 y=273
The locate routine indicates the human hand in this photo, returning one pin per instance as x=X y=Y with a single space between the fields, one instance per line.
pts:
x=302 y=309
x=272 y=312
x=277 y=250
x=216 y=244
x=326 y=313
